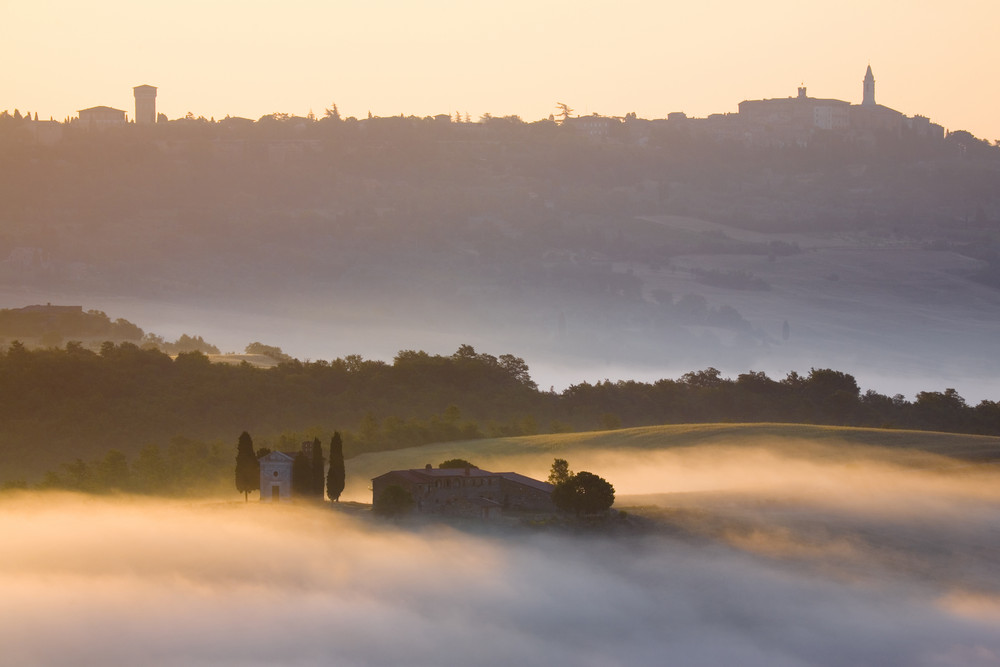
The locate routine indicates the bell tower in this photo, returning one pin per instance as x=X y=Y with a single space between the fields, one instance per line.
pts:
x=868 y=97
x=145 y=104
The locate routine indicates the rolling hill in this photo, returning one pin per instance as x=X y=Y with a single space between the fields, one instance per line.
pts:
x=633 y=458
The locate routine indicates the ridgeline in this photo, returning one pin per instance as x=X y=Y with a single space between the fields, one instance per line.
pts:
x=57 y=405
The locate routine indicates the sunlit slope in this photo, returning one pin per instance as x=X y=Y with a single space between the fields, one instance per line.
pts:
x=627 y=451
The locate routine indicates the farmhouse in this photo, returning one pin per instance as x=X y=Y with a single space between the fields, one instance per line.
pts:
x=468 y=492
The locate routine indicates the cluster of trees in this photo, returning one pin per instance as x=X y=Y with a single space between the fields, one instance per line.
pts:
x=189 y=466
x=580 y=493
x=185 y=466
x=271 y=351
x=81 y=403
x=50 y=326
x=308 y=479
x=823 y=396
x=184 y=343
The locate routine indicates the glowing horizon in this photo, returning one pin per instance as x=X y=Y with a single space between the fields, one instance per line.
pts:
x=253 y=58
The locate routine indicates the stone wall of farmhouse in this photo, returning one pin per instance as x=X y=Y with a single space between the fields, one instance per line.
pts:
x=445 y=495
x=463 y=496
x=519 y=497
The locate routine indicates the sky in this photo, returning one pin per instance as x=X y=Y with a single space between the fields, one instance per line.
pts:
x=250 y=58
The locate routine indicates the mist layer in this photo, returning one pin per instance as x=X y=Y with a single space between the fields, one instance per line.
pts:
x=729 y=576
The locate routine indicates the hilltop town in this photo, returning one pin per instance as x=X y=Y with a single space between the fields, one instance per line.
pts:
x=791 y=121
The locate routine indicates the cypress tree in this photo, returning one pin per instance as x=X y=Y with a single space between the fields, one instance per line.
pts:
x=247 y=467
x=317 y=468
x=336 y=476
x=302 y=482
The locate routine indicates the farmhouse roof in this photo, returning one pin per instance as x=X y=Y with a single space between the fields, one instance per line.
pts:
x=423 y=475
x=525 y=480
x=430 y=474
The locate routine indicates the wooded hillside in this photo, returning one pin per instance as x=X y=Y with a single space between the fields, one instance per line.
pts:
x=60 y=404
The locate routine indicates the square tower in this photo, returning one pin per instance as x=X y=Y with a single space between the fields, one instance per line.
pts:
x=145 y=104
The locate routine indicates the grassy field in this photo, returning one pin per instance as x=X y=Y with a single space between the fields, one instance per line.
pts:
x=630 y=451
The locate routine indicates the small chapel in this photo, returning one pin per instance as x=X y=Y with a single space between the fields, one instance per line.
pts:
x=276 y=473
x=276 y=477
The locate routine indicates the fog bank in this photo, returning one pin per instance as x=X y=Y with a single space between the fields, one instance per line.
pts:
x=100 y=581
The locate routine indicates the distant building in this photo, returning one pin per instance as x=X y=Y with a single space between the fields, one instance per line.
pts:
x=145 y=104
x=922 y=126
x=877 y=117
x=872 y=116
x=49 y=309
x=801 y=112
x=868 y=92
x=276 y=477
x=101 y=117
x=594 y=126
x=468 y=492
x=796 y=120
x=276 y=473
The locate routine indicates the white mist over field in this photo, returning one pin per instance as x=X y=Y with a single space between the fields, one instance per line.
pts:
x=781 y=559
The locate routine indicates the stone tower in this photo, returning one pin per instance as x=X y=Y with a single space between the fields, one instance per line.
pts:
x=145 y=104
x=868 y=98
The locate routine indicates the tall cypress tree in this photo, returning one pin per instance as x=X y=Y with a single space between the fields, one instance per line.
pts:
x=317 y=468
x=247 y=467
x=302 y=481
x=336 y=476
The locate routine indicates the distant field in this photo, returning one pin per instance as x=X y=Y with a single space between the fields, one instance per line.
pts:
x=627 y=451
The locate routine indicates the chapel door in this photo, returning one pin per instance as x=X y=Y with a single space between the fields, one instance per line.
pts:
x=275 y=492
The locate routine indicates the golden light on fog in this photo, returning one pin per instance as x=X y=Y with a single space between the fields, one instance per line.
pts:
x=775 y=559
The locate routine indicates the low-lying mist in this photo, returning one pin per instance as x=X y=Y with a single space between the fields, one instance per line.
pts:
x=758 y=557
x=597 y=346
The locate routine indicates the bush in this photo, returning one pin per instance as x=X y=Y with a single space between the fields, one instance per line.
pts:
x=584 y=493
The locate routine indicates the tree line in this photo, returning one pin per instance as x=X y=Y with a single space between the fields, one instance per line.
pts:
x=59 y=405
x=51 y=326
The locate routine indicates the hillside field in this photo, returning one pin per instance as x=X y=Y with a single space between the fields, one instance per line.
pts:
x=676 y=458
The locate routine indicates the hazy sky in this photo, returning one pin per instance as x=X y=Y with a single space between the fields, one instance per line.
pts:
x=250 y=58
